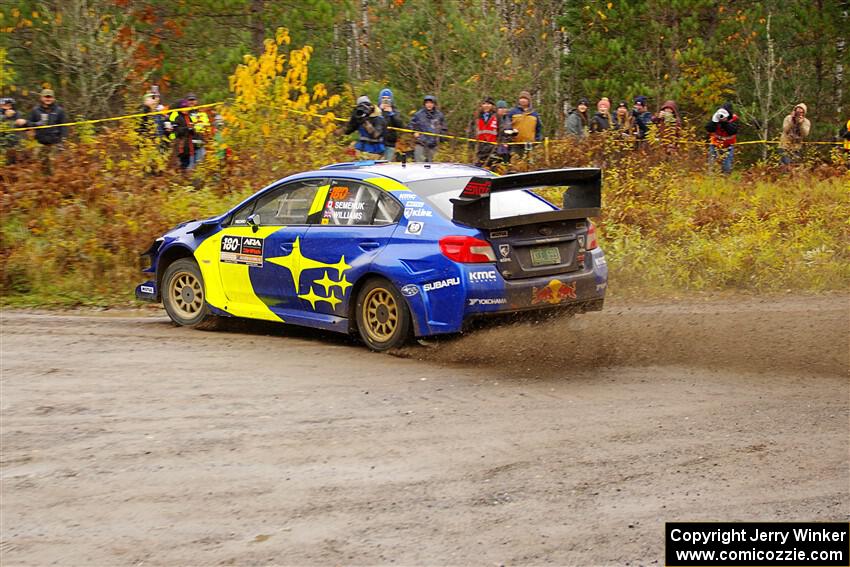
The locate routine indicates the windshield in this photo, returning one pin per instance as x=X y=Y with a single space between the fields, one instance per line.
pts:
x=439 y=192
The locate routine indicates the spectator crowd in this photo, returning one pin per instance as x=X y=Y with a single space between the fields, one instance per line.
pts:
x=500 y=131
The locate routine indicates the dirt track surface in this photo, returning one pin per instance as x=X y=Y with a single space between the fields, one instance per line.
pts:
x=127 y=441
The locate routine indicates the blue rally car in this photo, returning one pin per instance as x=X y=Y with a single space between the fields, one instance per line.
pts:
x=388 y=251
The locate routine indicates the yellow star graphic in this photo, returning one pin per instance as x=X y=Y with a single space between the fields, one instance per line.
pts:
x=296 y=263
x=313 y=299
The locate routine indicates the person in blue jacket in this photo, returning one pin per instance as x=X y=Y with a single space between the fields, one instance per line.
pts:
x=427 y=119
x=369 y=122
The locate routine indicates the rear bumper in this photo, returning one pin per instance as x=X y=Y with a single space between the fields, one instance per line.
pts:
x=528 y=294
x=479 y=291
x=147 y=291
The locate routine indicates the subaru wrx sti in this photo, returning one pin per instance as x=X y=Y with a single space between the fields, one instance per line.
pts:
x=388 y=251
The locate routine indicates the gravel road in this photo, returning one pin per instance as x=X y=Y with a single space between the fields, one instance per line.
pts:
x=127 y=441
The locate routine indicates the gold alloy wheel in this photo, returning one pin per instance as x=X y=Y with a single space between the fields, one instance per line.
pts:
x=380 y=313
x=187 y=294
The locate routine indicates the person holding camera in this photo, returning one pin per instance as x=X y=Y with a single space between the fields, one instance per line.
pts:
x=47 y=113
x=795 y=128
x=370 y=124
x=392 y=118
x=723 y=133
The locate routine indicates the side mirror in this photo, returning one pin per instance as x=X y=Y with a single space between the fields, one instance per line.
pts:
x=254 y=221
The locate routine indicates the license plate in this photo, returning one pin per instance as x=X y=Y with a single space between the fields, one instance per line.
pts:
x=545 y=256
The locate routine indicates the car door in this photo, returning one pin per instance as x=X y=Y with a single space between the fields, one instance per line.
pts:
x=356 y=223
x=266 y=236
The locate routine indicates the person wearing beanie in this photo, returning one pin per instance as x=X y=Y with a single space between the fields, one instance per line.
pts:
x=368 y=120
x=526 y=122
x=622 y=119
x=427 y=119
x=795 y=129
x=392 y=119
x=577 y=120
x=723 y=133
x=486 y=129
x=602 y=121
x=506 y=132
x=47 y=113
x=641 y=117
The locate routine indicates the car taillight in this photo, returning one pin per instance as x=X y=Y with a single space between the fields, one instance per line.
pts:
x=466 y=249
x=591 y=236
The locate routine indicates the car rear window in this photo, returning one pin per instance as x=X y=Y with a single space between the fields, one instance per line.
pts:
x=439 y=192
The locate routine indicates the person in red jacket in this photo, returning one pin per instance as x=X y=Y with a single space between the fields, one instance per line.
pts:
x=722 y=130
x=486 y=132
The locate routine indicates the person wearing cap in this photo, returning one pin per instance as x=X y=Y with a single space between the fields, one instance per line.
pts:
x=150 y=126
x=526 y=122
x=506 y=132
x=641 y=117
x=602 y=121
x=9 y=119
x=190 y=126
x=577 y=120
x=427 y=119
x=368 y=120
x=392 y=118
x=151 y=130
x=722 y=134
x=47 y=113
x=795 y=128
x=486 y=127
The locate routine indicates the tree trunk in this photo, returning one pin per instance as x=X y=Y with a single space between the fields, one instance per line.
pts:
x=258 y=26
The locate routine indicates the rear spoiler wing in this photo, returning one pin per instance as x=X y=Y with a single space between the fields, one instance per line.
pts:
x=582 y=200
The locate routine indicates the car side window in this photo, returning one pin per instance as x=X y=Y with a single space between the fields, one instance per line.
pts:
x=285 y=205
x=352 y=203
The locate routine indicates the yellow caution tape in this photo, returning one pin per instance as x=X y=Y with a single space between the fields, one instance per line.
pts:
x=124 y=117
x=406 y=130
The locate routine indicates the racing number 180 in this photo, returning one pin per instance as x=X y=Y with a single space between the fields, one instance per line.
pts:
x=230 y=243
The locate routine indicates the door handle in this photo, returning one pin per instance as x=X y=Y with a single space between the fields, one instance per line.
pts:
x=286 y=246
x=368 y=245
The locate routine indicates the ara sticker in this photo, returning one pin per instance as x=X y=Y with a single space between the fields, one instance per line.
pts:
x=246 y=250
x=498 y=234
x=414 y=227
x=146 y=289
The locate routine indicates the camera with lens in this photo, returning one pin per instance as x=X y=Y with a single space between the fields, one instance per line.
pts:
x=362 y=111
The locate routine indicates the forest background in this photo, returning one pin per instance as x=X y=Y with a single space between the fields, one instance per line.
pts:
x=667 y=225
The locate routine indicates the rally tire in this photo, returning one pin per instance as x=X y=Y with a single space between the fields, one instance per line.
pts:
x=184 y=296
x=383 y=319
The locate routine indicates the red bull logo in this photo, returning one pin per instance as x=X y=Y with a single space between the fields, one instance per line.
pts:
x=554 y=293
